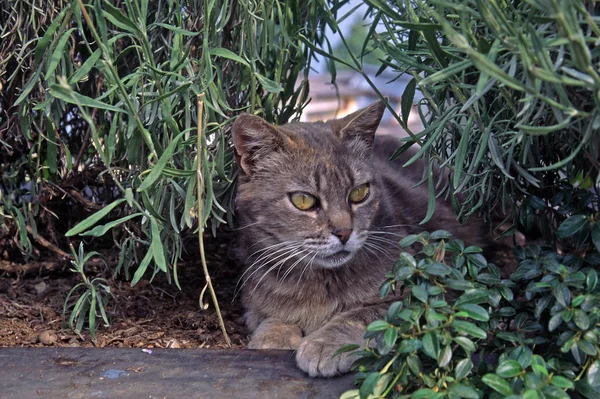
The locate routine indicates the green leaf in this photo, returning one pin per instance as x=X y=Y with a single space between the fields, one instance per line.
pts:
x=156 y=246
x=561 y=382
x=473 y=296
x=440 y=235
x=351 y=394
x=509 y=369
x=465 y=327
x=408 y=259
x=390 y=336
x=269 y=85
x=409 y=345
x=463 y=391
x=420 y=293
x=593 y=374
x=414 y=363
x=477 y=259
x=445 y=356
x=119 y=19
x=407 y=99
x=92 y=219
x=404 y=273
x=444 y=74
x=139 y=273
x=58 y=53
x=369 y=384
x=67 y=95
x=555 y=321
x=468 y=345
x=592 y=280
x=463 y=368
x=51 y=146
x=475 y=312
x=178 y=30
x=437 y=269
x=156 y=171
x=571 y=226
x=409 y=240
x=423 y=393
x=431 y=345
x=531 y=394
x=430 y=195
x=346 y=348
x=44 y=42
x=99 y=231
x=581 y=320
x=497 y=384
x=378 y=325
x=225 y=53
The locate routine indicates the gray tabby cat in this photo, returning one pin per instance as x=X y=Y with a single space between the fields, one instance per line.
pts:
x=321 y=211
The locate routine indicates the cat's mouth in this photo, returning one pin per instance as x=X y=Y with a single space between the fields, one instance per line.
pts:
x=336 y=259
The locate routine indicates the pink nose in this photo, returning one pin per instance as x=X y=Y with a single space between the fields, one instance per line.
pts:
x=342 y=234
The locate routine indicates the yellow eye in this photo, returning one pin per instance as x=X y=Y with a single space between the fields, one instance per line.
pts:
x=303 y=201
x=359 y=194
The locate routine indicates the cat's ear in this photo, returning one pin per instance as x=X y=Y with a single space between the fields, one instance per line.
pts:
x=362 y=123
x=253 y=138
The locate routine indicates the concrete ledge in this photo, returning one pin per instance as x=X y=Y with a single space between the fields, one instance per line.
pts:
x=164 y=373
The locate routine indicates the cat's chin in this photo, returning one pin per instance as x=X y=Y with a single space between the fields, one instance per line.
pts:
x=335 y=260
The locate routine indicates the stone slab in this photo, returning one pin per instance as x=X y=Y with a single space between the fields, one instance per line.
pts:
x=165 y=373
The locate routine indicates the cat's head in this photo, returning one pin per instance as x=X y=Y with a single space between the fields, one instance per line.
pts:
x=307 y=191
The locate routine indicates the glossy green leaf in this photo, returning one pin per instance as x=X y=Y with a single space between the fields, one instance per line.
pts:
x=431 y=345
x=463 y=368
x=475 y=312
x=498 y=384
x=571 y=226
x=465 y=327
x=509 y=369
x=445 y=356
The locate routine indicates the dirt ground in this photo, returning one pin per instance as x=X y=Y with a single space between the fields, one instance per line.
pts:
x=148 y=315
x=156 y=315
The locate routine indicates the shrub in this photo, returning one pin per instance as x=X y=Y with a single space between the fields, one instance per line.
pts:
x=510 y=98
x=463 y=331
x=99 y=120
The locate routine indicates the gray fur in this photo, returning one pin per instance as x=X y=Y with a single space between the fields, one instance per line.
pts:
x=295 y=297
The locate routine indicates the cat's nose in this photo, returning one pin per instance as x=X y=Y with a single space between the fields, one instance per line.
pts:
x=342 y=234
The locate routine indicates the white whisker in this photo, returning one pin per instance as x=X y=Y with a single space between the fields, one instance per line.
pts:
x=306 y=267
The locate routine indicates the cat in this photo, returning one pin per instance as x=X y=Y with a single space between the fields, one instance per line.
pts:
x=321 y=210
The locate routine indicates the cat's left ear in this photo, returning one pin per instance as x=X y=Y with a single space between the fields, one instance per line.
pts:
x=362 y=123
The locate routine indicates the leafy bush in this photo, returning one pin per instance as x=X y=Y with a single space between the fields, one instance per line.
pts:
x=511 y=93
x=99 y=126
x=464 y=331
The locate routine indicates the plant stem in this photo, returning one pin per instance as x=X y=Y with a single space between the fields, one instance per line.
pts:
x=200 y=191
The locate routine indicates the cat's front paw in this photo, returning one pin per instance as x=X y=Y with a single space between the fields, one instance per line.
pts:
x=315 y=356
x=272 y=334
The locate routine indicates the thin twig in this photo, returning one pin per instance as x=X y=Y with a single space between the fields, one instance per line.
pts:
x=200 y=191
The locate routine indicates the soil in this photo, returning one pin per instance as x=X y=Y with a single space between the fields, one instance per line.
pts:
x=147 y=315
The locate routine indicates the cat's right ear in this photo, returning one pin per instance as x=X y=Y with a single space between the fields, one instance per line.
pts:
x=253 y=138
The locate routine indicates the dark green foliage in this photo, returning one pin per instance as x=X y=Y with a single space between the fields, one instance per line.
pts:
x=463 y=331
